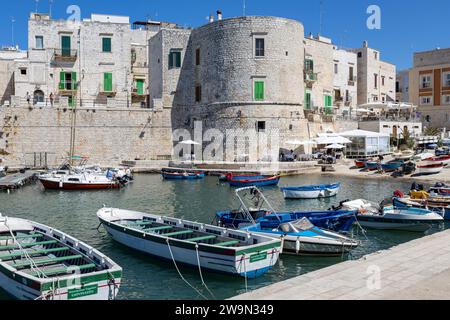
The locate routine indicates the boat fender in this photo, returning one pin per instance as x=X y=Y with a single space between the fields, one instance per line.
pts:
x=297 y=245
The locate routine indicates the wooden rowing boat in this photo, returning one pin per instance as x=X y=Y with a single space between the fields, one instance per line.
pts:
x=41 y=263
x=191 y=243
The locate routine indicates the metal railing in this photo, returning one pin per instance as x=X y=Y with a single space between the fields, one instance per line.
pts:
x=65 y=54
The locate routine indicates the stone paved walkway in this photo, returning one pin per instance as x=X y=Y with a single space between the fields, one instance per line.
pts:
x=419 y=269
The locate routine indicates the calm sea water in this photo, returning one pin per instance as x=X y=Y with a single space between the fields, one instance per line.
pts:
x=148 y=278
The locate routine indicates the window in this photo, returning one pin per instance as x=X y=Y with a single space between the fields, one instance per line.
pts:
x=107 y=82
x=375 y=55
x=375 y=81
x=261 y=126
x=39 y=42
x=198 y=93
x=309 y=65
x=259 y=47
x=23 y=71
x=140 y=86
x=308 y=103
x=66 y=46
x=382 y=80
x=397 y=86
x=426 y=82
x=197 y=57
x=350 y=74
x=359 y=54
x=446 y=99
x=68 y=81
x=106 y=45
x=347 y=96
x=328 y=101
x=425 y=100
x=447 y=79
x=259 y=91
x=175 y=59
x=336 y=68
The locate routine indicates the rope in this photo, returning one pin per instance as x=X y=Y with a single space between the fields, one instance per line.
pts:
x=178 y=270
x=33 y=265
x=201 y=275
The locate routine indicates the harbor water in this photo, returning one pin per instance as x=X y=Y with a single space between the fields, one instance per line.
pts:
x=149 y=278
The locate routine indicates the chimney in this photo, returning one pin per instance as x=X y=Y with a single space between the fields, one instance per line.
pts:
x=365 y=44
x=219 y=15
x=211 y=18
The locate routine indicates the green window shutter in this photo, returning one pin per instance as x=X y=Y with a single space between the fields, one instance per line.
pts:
x=259 y=90
x=170 y=60
x=62 y=80
x=178 y=59
x=308 y=100
x=107 y=82
x=74 y=84
x=106 y=46
x=140 y=86
x=65 y=46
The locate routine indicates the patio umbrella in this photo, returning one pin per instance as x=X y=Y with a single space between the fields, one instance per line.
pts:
x=335 y=146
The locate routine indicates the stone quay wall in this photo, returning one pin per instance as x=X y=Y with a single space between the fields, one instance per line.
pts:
x=106 y=136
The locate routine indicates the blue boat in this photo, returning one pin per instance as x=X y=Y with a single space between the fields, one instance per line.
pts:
x=303 y=238
x=338 y=221
x=440 y=208
x=311 y=191
x=256 y=181
x=179 y=175
x=392 y=166
x=372 y=165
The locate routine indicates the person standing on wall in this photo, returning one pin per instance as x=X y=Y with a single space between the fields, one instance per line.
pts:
x=51 y=99
x=28 y=97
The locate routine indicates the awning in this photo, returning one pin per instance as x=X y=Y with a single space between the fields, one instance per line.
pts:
x=332 y=140
x=335 y=146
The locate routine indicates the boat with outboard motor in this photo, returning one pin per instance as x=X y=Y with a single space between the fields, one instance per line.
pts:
x=194 y=244
x=311 y=191
x=335 y=220
x=38 y=262
x=257 y=181
x=387 y=217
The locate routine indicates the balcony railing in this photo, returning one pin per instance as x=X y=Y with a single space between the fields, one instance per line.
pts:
x=68 y=87
x=65 y=55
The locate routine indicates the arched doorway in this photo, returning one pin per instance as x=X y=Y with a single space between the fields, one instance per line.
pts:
x=38 y=97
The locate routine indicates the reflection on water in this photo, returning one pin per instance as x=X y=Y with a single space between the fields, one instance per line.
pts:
x=149 y=278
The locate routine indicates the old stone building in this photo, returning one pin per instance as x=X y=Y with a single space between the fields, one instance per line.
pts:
x=376 y=78
x=345 y=69
x=429 y=87
x=402 y=86
x=238 y=73
x=8 y=56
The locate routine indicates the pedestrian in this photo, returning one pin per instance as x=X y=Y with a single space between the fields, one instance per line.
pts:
x=51 y=99
x=28 y=98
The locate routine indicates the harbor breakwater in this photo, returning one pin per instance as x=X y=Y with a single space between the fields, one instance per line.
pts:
x=42 y=136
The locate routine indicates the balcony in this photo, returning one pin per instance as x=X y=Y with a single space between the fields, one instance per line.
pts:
x=310 y=77
x=135 y=93
x=352 y=81
x=109 y=91
x=68 y=88
x=65 y=55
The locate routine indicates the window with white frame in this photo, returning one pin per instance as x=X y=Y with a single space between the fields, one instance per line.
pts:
x=446 y=99
x=425 y=81
x=447 y=79
x=425 y=100
x=39 y=42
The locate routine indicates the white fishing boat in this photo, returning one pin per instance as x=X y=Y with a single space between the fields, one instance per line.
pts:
x=311 y=191
x=78 y=181
x=427 y=168
x=373 y=216
x=404 y=155
x=193 y=244
x=303 y=238
x=41 y=263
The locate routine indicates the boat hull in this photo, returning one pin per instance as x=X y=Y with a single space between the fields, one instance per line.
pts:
x=431 y=169
x=389 y=167
x=221 y=263
x=360 y=164
x=265 y=182
x=435 y=207
x=315 y=193
x=56 y=185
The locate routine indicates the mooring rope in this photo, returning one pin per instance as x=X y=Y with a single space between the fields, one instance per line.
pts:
x=179 y=272
x=201 y=275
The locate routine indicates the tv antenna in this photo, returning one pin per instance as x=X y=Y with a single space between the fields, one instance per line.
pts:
x=37 y=5
x=244 y=7
x=321 y=17
x=50 y=5
x=12 y=31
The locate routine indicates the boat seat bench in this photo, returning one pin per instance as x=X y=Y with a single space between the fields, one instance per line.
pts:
x=32 y=253
x=227 y=244
x=26 y=236
x=198 y=239
x=28 y=245
x=27 y=263
x=54 y=272
x=177 y=233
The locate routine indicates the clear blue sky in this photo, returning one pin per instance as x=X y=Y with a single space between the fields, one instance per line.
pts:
x=407 y=25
